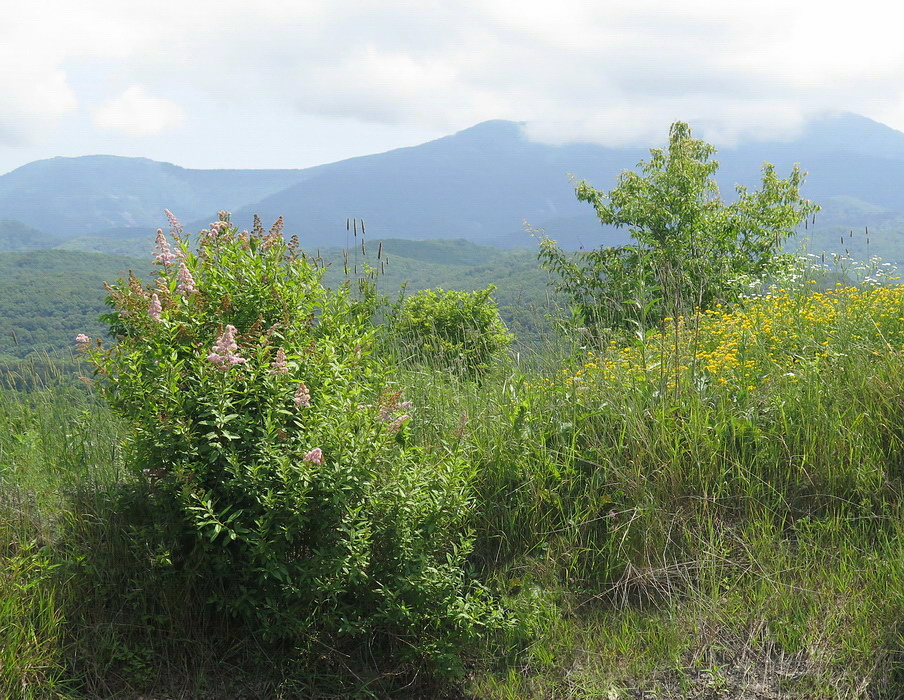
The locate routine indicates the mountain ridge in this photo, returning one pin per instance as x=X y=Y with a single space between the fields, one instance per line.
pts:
x=479 y=184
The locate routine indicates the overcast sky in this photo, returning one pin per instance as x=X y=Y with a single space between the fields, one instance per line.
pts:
x=295 y=83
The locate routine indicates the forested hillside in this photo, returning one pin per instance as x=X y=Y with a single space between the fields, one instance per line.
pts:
x=47 y=297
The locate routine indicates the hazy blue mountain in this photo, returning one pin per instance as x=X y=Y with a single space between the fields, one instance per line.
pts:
x=483 y=182
x=480 y=184
x=842 y=133
x=70 y=197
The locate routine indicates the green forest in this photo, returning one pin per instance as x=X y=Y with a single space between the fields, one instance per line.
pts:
x=47 y=297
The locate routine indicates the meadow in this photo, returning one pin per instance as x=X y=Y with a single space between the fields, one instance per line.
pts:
x=708 y=508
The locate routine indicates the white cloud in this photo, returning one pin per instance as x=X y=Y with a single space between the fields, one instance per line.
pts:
x=136 y=113
x=38 y=97
x=617 y=71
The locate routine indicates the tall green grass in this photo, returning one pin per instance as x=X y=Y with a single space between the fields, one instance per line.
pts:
x=55 y=442
x=715 y=507
x=715 y=501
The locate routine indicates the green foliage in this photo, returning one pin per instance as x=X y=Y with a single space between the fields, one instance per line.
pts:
x=686 y=512
x=680 y=506
x=48 y=296
x=460 y=331
x=660 y=517
x=30 y=621
x=692 y=249
x=257 y=409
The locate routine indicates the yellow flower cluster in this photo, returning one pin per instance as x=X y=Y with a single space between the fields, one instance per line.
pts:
x=758 y=341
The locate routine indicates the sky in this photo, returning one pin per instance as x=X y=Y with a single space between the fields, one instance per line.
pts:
x=297 y=83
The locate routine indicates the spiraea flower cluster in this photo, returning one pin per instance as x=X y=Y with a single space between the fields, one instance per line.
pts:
x=186 y=284
x=392 y=411
x=302 y=397
x=224 y=353
x=164 y=255
x=155 y=310
x=279 y=366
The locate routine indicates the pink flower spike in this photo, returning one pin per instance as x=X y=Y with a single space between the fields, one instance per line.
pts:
x=315 y=456
x=82 y=339
x=154 y=310
x=186 y=281
x=302 y=396
x=279 y=364
x=175 y=226
x=163 y=255
x=225 y=351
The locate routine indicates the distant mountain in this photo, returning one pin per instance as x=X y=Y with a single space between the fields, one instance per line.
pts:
x=483 y=182
x=479 y=184
x=70 y=197
x=841 y=133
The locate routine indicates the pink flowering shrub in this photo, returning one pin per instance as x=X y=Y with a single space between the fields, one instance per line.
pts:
x=258 y=411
